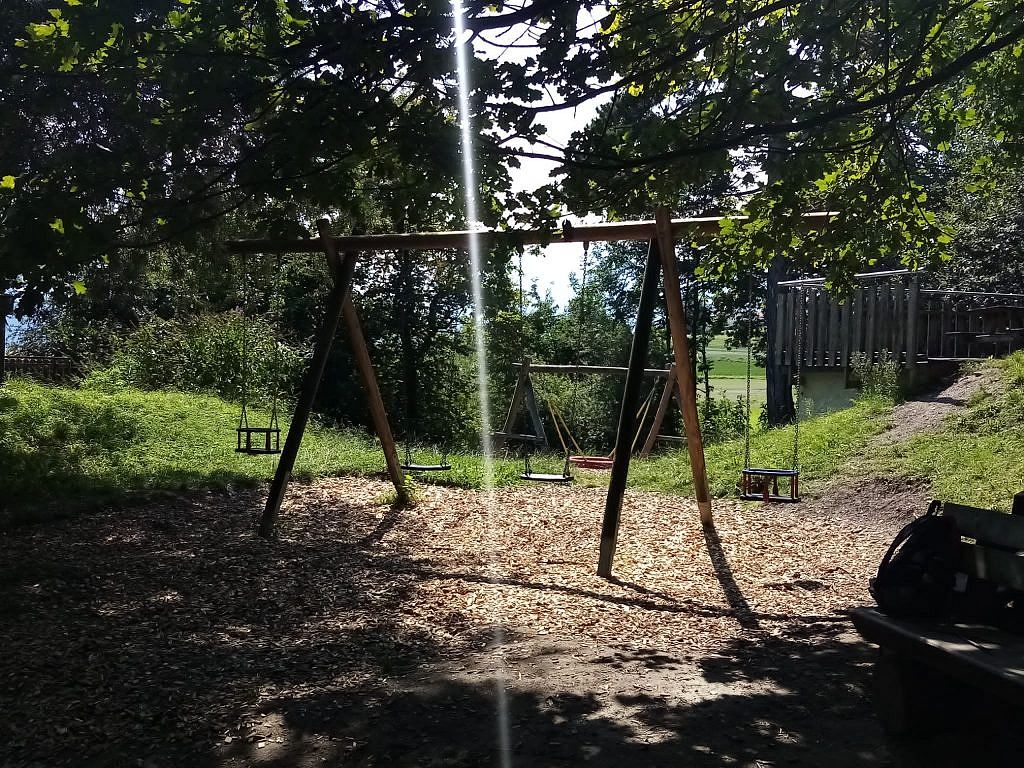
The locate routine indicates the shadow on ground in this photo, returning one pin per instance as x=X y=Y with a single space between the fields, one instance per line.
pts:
x=170 y=636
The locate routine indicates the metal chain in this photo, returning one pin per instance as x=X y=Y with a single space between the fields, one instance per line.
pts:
x=746 y=431
x=245 y=339
x=275 y=317
x=574 y=397
x=799 y=385
x=522 y=309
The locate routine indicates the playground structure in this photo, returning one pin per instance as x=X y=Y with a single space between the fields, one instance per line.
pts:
x=889 y=314
x=661 y=235
x=524 y=399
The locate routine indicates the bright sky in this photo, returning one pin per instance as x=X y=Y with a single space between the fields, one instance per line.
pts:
x=552 y=267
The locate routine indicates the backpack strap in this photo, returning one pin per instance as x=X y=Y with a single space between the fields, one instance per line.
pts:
x=934 y=509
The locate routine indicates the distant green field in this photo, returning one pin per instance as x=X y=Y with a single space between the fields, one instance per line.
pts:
x=729 y=373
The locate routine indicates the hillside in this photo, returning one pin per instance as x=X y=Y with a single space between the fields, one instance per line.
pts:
x=67 y=449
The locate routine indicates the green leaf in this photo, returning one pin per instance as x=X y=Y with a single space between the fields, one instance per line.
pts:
x=79 y=287
x=7 y=182
x=57 y=225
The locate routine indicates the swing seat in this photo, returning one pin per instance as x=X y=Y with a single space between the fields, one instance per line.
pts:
x=591 y=462
x=762 y=484
x=267 y=440
x=443 y=466
x=542 y=477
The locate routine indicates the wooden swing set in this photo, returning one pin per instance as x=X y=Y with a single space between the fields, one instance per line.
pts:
x=524 y=399
x=342 y=252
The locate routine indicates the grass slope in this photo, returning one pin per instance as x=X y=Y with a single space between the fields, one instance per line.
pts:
x=976 y=457
x=65 y=449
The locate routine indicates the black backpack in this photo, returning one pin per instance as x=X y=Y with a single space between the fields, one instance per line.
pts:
x=918 y=573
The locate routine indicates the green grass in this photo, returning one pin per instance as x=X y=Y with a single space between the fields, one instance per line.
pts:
x=729 y=374
x=975 y=458
x=63 y=449
x=67 y=449
x=826 y=443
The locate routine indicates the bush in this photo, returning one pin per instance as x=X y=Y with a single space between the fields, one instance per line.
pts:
x=219 y=354
x=878 y=379
x=723 y=419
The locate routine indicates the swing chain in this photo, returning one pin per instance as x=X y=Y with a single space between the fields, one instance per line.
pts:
x=574 y=397
x=746 y=431
x=799 y=385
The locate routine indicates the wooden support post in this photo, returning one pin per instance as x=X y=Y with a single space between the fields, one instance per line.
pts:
x=378 y=414
x=681 y=352
x=530 y=396
x=659 y=415
x=627 y=415
x=310 y=383
x=517 y=397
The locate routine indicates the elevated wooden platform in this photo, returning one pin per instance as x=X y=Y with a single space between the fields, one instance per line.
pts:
x=892 y=314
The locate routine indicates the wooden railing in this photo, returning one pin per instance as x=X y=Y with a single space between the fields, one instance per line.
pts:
x=43 y=368
x=890 y=312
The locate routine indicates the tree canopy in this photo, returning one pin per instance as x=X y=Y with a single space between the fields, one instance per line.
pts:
x=135 y=123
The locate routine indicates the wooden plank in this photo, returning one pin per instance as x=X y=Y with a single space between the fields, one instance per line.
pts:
x=810 y=326
x=823 y=323
x=659 y=414
x=681 y=353
x=835 y=340
x=899 y=321
x=627 y=413
x=789 y=333
x=1005 y=568
x=699 y=228
x=844 y=333
x=976 y=655
x=870 y=312
x=988 y=526
x=857 y=334
x=947 y=345
x=884 y=319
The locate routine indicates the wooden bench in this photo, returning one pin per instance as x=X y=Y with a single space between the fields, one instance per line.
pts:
x=920 y=662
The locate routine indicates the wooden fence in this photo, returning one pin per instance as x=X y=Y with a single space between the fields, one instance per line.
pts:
x=890 y=312
x=42 y=368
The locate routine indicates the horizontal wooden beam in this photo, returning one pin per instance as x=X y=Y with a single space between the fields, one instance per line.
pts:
x=608 y=370
x=704 y=228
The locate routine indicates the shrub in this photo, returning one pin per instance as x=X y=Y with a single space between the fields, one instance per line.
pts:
x=723 y=418
x=220 y=354
x=879 y=378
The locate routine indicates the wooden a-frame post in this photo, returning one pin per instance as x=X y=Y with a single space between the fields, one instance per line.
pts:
x=671 y=386
x=681 y=356
x=627 y=415
x=339 y=303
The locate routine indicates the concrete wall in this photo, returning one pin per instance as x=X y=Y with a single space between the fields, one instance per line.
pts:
x=826 y=390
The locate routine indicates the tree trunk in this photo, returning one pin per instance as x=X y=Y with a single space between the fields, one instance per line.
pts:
x=779 y=378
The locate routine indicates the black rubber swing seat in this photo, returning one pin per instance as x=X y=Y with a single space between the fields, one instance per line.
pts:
x=542 y=477
x=443 y=467
x=267 y=442
x=767 y=490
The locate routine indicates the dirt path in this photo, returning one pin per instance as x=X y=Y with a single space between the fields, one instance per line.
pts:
x=926 y=412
